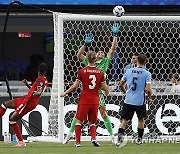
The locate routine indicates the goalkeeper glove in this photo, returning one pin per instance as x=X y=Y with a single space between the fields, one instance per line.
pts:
x=115 y=29
x=88 y=39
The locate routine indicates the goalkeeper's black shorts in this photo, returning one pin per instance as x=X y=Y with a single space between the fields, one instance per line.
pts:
x=128 y=111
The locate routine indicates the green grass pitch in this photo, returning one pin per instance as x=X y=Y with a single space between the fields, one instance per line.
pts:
x=87 y=148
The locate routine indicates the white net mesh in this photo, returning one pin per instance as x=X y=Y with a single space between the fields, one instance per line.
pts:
x=53 y=125
x=159 y=40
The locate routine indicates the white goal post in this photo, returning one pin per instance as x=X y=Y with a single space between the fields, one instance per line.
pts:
x=156 y=36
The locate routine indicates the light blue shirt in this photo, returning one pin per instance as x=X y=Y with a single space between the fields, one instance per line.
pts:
x=136 y=79
x=128 y=66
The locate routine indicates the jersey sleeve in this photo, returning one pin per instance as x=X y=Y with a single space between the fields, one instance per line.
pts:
x=107 y=63
x=124 y=78
x=148 y=79
x=85 y=62
x=126 y=68
x=79 y=76
x=103 y=77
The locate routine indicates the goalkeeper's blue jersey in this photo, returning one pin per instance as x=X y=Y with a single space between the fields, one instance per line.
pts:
x=136 y=79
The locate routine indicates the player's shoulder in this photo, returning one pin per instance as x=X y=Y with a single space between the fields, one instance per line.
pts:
x=146 y=71
x=130 y=69
x=42 y=78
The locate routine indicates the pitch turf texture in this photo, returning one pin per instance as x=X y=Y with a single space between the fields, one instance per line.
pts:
x=87 y=148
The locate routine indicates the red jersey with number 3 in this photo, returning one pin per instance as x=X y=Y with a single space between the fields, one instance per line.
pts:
x=91 y=78
x=41 y=82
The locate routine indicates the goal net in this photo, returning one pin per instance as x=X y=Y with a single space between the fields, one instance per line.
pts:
x=156 y=36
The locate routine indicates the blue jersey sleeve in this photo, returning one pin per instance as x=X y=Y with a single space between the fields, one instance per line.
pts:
x=124 y=78
x=148 y=79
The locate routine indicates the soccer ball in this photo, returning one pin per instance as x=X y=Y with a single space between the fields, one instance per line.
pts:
x=118 y=11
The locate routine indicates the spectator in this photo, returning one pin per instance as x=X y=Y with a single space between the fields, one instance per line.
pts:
x=175 y=83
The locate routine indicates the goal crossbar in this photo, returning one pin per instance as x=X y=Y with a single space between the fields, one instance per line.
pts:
x=82 y=17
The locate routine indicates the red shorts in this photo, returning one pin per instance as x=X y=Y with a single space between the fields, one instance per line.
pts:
x=87 y=112
x=22 y=106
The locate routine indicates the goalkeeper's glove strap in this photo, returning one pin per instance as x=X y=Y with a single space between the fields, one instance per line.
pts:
x=116 y=34
x=87 y=44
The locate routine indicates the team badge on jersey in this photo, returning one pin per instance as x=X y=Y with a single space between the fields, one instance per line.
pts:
x=41 y=84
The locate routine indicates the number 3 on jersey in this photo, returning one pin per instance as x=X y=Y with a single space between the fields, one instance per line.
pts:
x=93 y=81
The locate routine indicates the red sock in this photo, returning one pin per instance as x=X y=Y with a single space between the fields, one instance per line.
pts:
x=93 y=132
x=2 y=111
x=78 y=134
x=16 y=130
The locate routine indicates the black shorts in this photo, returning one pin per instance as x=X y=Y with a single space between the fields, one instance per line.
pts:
x=128 y=111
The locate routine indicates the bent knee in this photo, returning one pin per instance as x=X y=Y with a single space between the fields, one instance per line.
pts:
x=103 y=114
x=3 y=105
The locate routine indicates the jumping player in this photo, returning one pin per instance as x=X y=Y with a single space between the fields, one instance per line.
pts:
x=101 y=63
x=27 y=103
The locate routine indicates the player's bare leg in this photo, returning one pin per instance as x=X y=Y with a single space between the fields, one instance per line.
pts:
x=140 y=130
x=15 y=127
x=107 y=122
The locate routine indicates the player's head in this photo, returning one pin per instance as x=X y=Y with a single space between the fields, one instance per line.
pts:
x=141 y=59
x=42 y=68
x=100 y=55
x=134 y=58
x=175 y=78
x=91 y=56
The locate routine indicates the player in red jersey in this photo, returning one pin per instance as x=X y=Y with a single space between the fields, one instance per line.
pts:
x=27 y=103
x=92 y=80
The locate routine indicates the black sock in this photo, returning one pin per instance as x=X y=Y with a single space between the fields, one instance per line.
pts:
x=140 y=132
x=121 y=131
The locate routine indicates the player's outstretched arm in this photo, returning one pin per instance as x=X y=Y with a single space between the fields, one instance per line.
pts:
x=71 y=89
x=115 y=31
x=80 y=54
x=121 y=84
x=149 y=91
x=87 y=42
x=26 y=83
x=105 y=88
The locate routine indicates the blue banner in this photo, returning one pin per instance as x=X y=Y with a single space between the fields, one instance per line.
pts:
x=97 y=2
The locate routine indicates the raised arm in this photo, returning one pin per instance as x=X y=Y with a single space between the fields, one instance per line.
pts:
x=80 y=54
x=105 y=88
x=71 y=89
x=26 y=83
x=87 y=42
x=115 y=31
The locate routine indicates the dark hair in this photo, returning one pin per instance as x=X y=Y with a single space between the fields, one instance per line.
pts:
x=91 y=56
x=142 y=59
x=133 y=54
x=42 y=68
x=176 y=76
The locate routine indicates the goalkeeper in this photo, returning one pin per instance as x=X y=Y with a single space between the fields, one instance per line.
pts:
x=101 y=63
